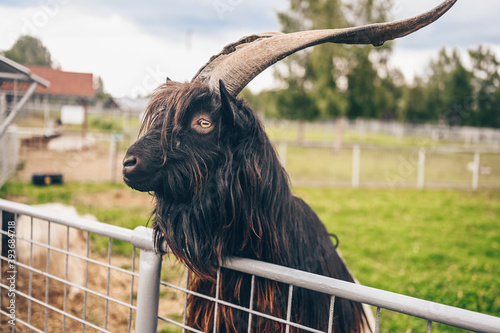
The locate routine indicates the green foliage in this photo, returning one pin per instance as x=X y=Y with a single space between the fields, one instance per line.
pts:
x=487 y=79
x=295 y=103
x=29 y=50
x=105 y=124
x=362 y=86
x=101 y=94
x=416 y=109
x=456 y=95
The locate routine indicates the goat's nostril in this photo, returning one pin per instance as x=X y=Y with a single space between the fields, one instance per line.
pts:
x=129 y=161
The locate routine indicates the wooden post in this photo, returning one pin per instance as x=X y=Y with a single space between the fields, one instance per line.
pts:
x=46 y=112
x=84 y=123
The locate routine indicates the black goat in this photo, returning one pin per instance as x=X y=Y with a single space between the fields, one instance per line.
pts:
x=221 y=192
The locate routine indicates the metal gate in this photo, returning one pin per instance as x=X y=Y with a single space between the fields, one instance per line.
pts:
x=39 y=287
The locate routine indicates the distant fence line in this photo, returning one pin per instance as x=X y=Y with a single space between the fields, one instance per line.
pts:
x=437 y=132
x=322 y=163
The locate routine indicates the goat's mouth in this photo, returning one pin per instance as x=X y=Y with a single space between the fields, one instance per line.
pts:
x=142 y=185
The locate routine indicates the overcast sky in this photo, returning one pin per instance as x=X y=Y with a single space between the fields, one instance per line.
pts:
x=134 y=45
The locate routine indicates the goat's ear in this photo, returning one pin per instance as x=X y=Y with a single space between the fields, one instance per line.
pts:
x=229 y=107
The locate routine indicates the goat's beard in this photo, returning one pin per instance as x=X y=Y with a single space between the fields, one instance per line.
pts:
x=180 y=229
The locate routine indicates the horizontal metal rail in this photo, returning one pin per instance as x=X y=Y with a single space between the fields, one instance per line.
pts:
x=141 y=237
x=69 y=254
x=412 y=306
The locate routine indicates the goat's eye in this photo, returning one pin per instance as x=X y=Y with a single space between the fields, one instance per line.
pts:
x=204 y=123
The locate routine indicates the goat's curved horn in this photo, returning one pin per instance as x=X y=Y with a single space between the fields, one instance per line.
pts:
x=240 y=62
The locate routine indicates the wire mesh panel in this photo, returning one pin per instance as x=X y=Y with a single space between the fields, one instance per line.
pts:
x=253 y=318
x=61 y=279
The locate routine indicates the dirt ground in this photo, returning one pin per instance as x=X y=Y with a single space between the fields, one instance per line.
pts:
x=92 y=165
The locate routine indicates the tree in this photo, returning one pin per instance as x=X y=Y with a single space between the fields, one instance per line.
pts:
x=389 y=95
x=29 y=50
x=485 y=68
x=295 y=102
x=416 y=109
x=321 y=79
x=361 y=86
x=459 y=96
x=101 y=93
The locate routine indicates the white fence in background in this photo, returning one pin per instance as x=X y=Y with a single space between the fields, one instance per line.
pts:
x=42 y=297
x=316 y=163
x=321 y=163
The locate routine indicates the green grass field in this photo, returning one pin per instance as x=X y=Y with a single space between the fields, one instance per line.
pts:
x=437 y=245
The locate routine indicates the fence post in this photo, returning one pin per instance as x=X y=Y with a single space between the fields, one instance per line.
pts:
x=113 y=149
x=148 y=293
x=282 y=153
x=475 y=171
x=4 y=145
x=355 y=166
x=3 y=106
x=421 y=169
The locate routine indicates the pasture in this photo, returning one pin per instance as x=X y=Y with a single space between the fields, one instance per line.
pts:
x=438 y=245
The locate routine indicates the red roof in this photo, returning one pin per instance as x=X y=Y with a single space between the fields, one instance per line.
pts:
x=64 y=83
x=61 y=83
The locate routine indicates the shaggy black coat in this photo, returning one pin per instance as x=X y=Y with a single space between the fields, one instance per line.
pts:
x=221 y=192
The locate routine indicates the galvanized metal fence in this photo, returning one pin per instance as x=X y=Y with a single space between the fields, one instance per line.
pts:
x=109 y=293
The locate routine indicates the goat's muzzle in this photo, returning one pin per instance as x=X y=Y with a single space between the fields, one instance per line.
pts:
x=136 y=175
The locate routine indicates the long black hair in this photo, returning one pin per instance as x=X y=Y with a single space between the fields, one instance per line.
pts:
x=221 y=192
